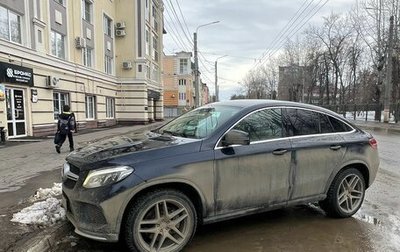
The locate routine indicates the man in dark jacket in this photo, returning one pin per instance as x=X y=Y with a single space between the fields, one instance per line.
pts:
x=65 y=126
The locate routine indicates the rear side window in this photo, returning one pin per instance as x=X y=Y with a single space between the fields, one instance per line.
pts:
x=301 y=122
x=339 y=126
x=325 y=124
x=262 y=125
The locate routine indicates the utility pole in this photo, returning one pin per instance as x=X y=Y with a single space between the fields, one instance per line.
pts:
x=216 y=81
x=388 y=80
x=196 y=72
x=216 y=78
x=196 y=65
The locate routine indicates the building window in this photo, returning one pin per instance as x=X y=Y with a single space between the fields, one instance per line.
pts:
x=108 y=64
x=155 y=48
x=110 y=107
x=60 y=2
x=57 y=44
x=147 y=42
x=59 y=100
x=182 y=82
x=90 y=103
x=10 y=25
x=87 y=11
x=182 y=96
x=183 y=66
x=107 y=26
x=155 y=73
x=147 y=10
x=88 y=56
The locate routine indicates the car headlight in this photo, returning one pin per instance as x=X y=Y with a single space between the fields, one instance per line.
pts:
x=106 y=176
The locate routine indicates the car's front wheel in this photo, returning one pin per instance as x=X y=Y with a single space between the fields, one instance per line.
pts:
x=163 y=220
x=345 y=195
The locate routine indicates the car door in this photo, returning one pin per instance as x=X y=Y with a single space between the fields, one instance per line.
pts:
x=317 y=151
x=254 y=175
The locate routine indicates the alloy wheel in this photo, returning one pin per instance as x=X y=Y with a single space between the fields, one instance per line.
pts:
x=351 y=193
x=164 y=226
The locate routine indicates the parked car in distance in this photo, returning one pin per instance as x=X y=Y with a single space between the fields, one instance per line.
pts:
x=216 y=162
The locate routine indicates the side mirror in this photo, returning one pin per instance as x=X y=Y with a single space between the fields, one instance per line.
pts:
x=236 y=137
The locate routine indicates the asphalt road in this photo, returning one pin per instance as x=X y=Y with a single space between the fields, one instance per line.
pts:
x=376 y=227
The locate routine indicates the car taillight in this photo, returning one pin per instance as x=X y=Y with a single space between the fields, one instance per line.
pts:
x=373 y=143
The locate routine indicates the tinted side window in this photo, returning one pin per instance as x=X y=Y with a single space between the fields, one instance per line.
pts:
x=301 y=122
x=325 y=124
x=339 y=126
x=262 y=125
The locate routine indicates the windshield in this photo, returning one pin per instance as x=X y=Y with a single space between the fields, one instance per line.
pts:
x=199 y=123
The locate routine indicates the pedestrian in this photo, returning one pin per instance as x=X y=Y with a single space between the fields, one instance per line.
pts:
x=66 y=125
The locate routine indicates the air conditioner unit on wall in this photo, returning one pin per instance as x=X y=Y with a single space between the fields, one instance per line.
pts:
x=52 y=81
x=127 y=65
x=120 y=25
x=120 y=33
x=80 y=42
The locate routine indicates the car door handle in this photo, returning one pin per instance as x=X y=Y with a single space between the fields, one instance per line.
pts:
x=279 y=151
x=335 y=147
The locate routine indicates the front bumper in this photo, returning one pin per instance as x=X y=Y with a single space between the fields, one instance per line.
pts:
x=97 y=213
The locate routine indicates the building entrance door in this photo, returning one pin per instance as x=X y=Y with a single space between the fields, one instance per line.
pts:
x=16 y=116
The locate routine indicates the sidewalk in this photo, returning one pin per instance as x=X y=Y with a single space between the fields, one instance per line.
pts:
x=25 y=167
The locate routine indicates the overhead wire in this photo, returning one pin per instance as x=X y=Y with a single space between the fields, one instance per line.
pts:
x=283 y=31
x=172 y=23
x=292 y=30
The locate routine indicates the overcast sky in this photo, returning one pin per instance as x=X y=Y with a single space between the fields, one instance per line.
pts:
x=246 y=30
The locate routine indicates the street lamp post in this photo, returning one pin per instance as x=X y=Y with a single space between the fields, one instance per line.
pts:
x=216 y=78
x=196 y=65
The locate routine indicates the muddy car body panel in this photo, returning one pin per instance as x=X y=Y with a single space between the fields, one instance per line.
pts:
x=280 y=168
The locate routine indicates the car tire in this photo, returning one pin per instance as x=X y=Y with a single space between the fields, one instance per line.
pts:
x=345 y=195
x=162 y=220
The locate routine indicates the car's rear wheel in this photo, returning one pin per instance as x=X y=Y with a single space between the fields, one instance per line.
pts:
x=160 y=221
x=345 y=195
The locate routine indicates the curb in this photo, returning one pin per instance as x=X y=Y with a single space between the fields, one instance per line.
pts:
x=44 y=240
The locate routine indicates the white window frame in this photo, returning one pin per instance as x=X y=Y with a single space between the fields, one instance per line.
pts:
x=90 y=107
x=10 y=33
x=147 y=38
x=60 y=104
x=84 y=2
x=155 y=54
x=107 y=25
x=108 y=64
x=183 y=67
x=110 y=107
x=88 y=60
x=58 y=54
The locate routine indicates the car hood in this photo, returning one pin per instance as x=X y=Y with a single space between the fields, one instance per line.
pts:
x=123 y=145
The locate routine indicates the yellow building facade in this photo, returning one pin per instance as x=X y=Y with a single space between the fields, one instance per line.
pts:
x=103 y=58
x=178 y=83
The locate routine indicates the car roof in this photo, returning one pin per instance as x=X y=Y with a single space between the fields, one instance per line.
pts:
x=261 y=103
x=267 y=103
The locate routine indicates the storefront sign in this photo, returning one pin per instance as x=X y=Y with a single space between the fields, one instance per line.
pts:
x=15 y=74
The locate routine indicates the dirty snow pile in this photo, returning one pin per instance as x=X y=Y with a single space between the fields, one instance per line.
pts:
x=42 y=194
x=45 y=212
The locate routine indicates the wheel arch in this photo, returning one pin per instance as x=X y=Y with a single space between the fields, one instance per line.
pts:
x=360 y=166
x=190 y=191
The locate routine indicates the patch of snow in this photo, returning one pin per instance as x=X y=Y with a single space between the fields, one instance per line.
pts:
x=370 y=115
x=45 y=213
x=42 y=194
